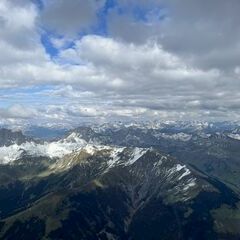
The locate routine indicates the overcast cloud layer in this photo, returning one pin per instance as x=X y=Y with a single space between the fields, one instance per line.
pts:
x=67 y=61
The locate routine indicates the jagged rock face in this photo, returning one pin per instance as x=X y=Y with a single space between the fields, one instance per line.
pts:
x=103 y=192
x=8 y=137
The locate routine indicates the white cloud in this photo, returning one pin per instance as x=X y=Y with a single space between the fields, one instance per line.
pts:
x=17 y=111
x=149 y=68
x=18 y=25
x=135 y=69
x=205 y=33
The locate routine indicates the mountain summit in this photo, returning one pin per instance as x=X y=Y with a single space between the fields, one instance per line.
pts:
x=92 y=185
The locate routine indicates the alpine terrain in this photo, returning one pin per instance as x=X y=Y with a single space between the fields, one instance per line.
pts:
x=172 y=180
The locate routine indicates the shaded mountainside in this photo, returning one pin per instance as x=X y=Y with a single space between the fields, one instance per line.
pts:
x=209 y=148
x=103 y=192
x=9 y=137
x=122 y=182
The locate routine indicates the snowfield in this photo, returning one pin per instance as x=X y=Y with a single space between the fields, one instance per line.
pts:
x=53 y=149
x=58 y=149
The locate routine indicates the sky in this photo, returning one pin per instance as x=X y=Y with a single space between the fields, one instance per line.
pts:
x=71 y=61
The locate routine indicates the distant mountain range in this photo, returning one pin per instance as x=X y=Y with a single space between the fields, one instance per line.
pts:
x=173 y=180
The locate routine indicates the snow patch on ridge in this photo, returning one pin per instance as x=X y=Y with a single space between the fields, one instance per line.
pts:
x=137 y=153
x=178 y=168
x=53 y=149
x=190 y=183
x=115 y=157
x=186 y=172
x=234 y=136
x=177 y=136
x=7 y=154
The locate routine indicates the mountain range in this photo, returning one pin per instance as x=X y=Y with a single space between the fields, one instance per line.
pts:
x=173 y=180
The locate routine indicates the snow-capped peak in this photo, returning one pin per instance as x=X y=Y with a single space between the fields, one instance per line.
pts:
x=55 y=149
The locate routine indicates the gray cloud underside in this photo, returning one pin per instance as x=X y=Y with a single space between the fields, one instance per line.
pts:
x=182 y=61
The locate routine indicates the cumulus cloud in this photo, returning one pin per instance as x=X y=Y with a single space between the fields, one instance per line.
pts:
x=130 y=68
x=152 y=59
x=18 y=25
x=204 y=32
x=70 y=17
x=17 y=111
